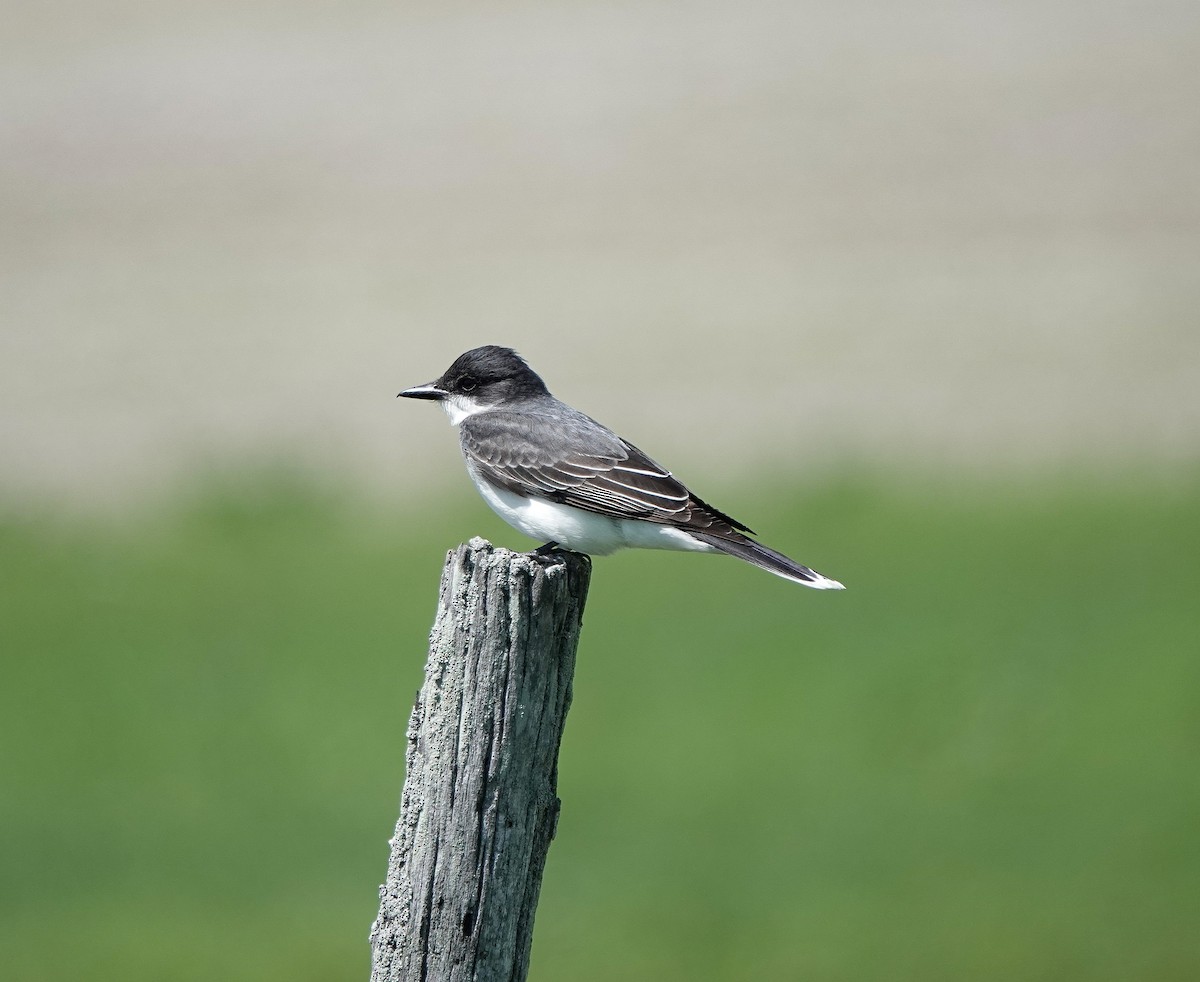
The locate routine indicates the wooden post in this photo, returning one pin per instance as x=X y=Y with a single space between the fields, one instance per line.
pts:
x=479 y=806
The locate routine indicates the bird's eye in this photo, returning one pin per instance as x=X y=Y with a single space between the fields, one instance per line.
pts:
x=467 y=383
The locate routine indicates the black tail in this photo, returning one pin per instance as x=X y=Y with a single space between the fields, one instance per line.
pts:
x=768 y=559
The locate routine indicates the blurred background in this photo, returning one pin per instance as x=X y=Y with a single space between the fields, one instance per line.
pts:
x=931 y=272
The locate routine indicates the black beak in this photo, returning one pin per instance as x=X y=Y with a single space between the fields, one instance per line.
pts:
x=430 y=390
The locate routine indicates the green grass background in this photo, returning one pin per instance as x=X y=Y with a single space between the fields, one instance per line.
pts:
x=979 y=762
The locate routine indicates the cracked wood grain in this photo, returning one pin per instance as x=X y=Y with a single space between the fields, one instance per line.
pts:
x=480 y=805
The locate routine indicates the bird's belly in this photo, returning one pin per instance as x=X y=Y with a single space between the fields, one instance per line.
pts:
x=579 y=530
x=549 y=521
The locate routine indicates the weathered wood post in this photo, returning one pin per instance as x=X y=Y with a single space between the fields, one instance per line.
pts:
x=479 y=806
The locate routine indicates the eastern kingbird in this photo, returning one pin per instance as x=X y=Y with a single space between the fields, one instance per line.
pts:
x=556 y=474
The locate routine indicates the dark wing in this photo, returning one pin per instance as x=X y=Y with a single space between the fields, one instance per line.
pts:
x=572 y=459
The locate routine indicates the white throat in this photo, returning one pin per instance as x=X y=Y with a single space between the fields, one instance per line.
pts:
x=459 y=407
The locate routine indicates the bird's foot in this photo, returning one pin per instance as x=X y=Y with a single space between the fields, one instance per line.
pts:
x=548 y=554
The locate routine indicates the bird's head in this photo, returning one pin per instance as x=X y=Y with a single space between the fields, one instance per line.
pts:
x=482 y=378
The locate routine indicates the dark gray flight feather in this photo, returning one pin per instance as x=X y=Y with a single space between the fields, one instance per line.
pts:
x=578 y=462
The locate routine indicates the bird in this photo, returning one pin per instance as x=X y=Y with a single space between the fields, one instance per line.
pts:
x=555 y=474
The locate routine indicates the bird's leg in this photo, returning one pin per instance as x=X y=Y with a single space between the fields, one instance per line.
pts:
x=546 y=548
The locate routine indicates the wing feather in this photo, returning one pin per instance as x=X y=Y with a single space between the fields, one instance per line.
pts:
x=574 y=460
